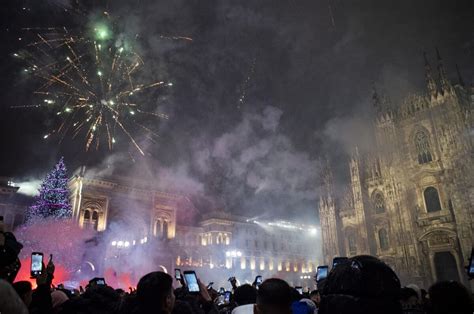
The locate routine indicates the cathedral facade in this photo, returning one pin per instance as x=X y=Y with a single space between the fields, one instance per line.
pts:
x=410 y=201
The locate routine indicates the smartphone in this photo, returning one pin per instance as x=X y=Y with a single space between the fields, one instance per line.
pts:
x=227 y=296
x=36 y=264
x=221 y=290
x=177 y=274
x=299 y=289
x=258 y=280
x=191 y=281
x=97 y=281
x=100 y=281
x=321 y=273
x=339 y=260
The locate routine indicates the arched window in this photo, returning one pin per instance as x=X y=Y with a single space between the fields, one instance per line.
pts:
x=422 y=145
x=95 y=215
x=87 y=214
x=379 y=203
x=351 y=243
x=432 y=200
x=383 y=239
x=165 y=230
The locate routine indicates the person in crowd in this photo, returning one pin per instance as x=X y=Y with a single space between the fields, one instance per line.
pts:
x=155 y=293
x=245 y=297
x=315 y=296
x=10 y=302
x=273 y=297
x=95 y=300
x=364 y=285
x=41 y=301
x=449 y=297
x=58 y=297
x=24 y=290
x=409 y=301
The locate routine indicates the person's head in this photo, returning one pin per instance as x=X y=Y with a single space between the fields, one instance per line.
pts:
x=274 y=297
x=449 y=297
x=24 y=290
x=155 y=293
x=58 y=297
x=315 y=297
x=408 y=298
x=245 y=294
x=9 y=261
x=363 y=285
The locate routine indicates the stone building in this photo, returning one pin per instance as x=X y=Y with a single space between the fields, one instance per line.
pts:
x=410 y=200
x=216 y=243
x=13 y=205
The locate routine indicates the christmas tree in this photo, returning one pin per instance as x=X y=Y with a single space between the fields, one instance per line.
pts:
x=53 y=198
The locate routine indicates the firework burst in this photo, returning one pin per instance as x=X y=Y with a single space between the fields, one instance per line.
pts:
x=92 y=81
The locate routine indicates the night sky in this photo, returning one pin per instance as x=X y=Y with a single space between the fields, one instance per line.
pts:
x=305 y=69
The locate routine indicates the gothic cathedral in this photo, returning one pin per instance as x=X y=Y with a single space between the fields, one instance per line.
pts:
x=410 y=201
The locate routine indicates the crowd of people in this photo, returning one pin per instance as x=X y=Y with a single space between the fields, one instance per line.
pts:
x=361 y=285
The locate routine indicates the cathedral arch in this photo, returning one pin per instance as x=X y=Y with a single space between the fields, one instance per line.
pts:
x=432 y=201
x=422 y=144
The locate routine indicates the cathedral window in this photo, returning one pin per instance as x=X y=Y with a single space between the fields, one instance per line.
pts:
x=423 y=147
x=352 y=245
x=432 y=200
x=379 y=203
x=383 y=239
x=95 y=215
x=164 y=235
x=87 y=214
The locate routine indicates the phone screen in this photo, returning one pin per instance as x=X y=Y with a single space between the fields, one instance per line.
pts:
x=191 y=281
x=227 y=297
x=100 y=282
x=177 y=274
x=299 y=289
x=36 y=263
x=258 y=280
x=322 y=273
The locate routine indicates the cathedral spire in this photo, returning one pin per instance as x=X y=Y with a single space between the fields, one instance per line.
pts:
x=430 y=82
x=445 y=85
x=461 y=81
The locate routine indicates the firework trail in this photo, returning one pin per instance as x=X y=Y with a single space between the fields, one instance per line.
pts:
x=92 y=81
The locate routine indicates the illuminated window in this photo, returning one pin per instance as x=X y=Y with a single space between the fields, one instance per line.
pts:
x=422 y=145
x=432 y=200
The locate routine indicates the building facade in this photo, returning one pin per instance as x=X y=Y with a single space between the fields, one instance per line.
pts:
x=217 y=244
x=13 y=205
x=410 y=201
